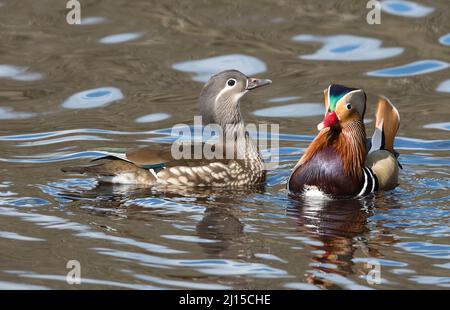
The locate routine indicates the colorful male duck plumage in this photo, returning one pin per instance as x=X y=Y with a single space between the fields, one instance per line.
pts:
x=218 y=104
x=338 y=163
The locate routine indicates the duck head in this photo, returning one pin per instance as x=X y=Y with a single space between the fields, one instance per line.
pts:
x=342 y=105
x=220 y=97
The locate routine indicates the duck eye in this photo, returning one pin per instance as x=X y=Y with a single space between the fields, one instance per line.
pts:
x=348 y=106
x=231 y=82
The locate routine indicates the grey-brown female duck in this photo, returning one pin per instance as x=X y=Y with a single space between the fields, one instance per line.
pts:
x=218 y=104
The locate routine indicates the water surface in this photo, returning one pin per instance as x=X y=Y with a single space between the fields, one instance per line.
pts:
x=119 y=82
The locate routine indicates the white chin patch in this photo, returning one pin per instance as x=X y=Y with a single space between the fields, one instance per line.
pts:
x=314 y=192
x=320 y=126
x=238 y=96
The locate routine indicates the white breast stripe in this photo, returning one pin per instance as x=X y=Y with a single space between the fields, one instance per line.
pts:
x=365 y=184
x=373 y=180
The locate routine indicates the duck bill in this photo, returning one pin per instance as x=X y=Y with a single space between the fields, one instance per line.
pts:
x=331 y=120
x=253 y=83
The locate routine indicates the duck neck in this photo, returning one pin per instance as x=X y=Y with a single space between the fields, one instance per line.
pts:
x=238 y=143
x=351 y=146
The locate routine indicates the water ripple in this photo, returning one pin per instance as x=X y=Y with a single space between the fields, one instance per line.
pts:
x=444 y=87
x=64 y=139
x=4 y=285
x=218 y=267
x=61 y=278
x=421 y=144
x=441 y=126
x=16 y=236
x=151 y=247
x=167 y=206
x=411 y=69
x=27 y=202
x=204 y=68
x=405 y=8
x=382 y=262
x=121 y=37
x=292 y=110
x=347 y=48
x=54 y=157
x=339 y=279
x=93 y=20
x=439 y=281
x=9 y=113
x=445 y=40
x=18 y=73
x=93 y=98
x=426 y=249
x=151 y=118
x=193 y=239
x=50 y=134
x=183 y=284
x=84 y=231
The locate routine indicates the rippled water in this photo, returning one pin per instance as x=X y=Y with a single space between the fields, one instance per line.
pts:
x=116 y=81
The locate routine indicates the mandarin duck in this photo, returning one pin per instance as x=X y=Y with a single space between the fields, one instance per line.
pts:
x=340 y=162
x=219 y=104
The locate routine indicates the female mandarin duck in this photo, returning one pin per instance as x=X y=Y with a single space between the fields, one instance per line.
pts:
x=218 y=104
x=337 y=163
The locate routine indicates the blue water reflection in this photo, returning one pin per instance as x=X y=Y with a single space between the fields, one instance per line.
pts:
x=15 y=236
x=445 y=40
x=121 y=38
x=441 y=126
x=9 y=113
x=93 y=98
x=24 y=202
x=151 y=118
x=414 y=68
x=19 y=73
x=292 y=110
x=346 y=47
x=405 y=8
x=444 y=87
x=427 y=249
x=93 y=20
x=204 y=68
x=284 y=99
x=219 y=267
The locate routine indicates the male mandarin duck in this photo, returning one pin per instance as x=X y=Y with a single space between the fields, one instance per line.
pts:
x=338 y=163
x=218 y=104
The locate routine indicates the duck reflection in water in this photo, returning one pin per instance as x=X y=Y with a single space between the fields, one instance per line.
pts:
x=339 y=227
x=223 y=226
x=220 y=223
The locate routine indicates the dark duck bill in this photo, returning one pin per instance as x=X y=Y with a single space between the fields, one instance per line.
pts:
x=253 y=83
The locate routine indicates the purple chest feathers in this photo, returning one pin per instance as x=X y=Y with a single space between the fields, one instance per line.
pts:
x=325 y=171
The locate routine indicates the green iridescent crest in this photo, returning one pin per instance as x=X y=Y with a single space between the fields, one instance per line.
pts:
x=335 y=93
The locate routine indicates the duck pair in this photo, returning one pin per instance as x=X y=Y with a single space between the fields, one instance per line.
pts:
x=340 y=162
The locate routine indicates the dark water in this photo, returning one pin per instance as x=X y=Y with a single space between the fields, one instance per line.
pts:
x=133 y=70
